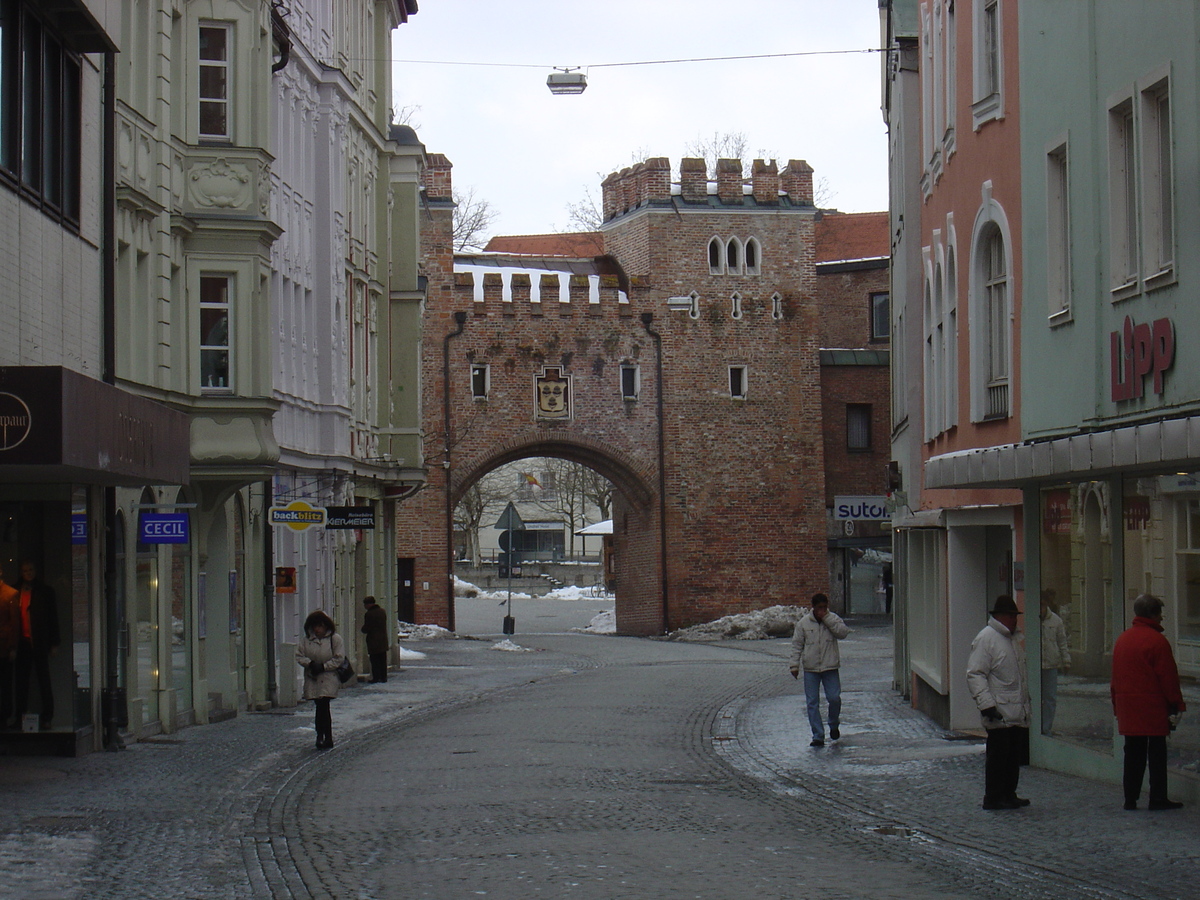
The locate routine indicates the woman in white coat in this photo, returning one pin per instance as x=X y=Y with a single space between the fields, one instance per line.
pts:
x=320 y=652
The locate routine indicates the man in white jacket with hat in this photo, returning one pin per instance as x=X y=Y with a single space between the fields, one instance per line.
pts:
x=996 y=678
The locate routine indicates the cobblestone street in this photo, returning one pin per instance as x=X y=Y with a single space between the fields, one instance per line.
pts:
x=593 y=767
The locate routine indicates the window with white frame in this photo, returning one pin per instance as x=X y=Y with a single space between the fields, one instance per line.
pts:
x=214 y=84
x=1058 y=235
x=1122 y=187
x=753 y=256
x=737 y=382
x=631 y=381
x=990 y=315
x=932 y=375
x=215 y=306
x=1158 y=245
x=733 y=256
x=716 y=254
x=996 y=322
x=951 y=319
x=735 y=305
x=481 y=380
x=988 y=51
x=949 y=67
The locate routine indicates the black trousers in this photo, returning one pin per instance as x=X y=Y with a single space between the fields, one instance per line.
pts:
x=378 y=667
x=1141 y=750
x=323 y=721
x=1002 y=768
x=30 y=661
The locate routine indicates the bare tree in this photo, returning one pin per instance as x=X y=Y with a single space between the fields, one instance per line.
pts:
x=586 y=215
x=406 y=115
x=481 y=505
x=473 y=217
x=721 y=145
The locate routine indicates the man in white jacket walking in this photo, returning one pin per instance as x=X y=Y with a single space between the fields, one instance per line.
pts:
x=996 y=678
x=815 y=648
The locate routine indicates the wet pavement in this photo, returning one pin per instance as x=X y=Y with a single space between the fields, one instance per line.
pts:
x=583 y=766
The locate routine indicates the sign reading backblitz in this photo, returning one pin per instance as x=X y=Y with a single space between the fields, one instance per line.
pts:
x=298 y=515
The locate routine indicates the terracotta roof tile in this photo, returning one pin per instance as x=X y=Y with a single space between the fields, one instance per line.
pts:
x=576 y=245
x=847 y=236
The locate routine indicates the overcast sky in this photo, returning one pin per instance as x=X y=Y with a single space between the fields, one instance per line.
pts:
x=530 y=153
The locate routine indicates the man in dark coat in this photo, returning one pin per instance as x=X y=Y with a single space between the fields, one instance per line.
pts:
x=1146 y=699
x=375 y=627
x=38 y=638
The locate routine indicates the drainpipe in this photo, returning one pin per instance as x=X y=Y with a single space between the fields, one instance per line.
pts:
x=460 y=319
x=647 y=318
x=269 y=591
x=112 y=707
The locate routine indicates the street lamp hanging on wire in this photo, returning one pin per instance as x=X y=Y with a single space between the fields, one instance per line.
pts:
x=567 y=81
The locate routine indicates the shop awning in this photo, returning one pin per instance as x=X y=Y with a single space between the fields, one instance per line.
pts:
x=58 y=426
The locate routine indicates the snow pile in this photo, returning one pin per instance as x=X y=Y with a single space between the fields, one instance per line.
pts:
x=510 y=647
x=407 y=655
x=573 y=592
x=604 y=623
x=409 y=632
x=773 y=622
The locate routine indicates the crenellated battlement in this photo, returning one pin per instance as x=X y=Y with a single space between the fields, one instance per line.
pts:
x=649 y=183
x=510 y=291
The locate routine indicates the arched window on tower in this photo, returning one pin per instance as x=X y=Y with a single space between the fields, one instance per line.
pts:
x=733 y=256
x=753 y=257
x=714 y=257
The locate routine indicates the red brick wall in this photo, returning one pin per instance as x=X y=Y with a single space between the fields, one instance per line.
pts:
x=745 y=492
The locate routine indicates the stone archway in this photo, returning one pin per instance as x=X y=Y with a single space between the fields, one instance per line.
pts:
x=639 y=598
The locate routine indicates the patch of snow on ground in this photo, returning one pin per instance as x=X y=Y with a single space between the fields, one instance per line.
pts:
x=773 y=622
x=409 y=632
x=405 y=653
x=509 y=646
x=604 y=623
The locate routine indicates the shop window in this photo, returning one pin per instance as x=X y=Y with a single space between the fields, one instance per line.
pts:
x=1076 y=545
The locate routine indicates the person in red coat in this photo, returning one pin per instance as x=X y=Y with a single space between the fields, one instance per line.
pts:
x=1146 y=699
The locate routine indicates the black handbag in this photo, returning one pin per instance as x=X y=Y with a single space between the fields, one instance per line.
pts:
x=345 y=671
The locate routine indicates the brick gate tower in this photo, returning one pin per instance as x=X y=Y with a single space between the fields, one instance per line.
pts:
x=680 y=360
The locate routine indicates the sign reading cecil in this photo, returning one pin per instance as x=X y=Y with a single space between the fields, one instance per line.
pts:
x=871 y=509
x=350 y=517
x=298 y=515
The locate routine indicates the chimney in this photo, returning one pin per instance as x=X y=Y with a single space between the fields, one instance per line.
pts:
x=693 y=180
x=797 y=180
x=729 y=181
x=765 y=181
x=437 y=176
x=611 y=193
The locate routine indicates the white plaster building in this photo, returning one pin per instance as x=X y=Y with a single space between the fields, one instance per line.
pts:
x=345 y=305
